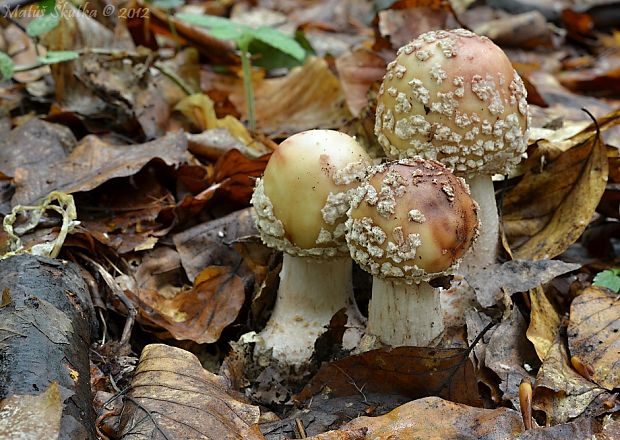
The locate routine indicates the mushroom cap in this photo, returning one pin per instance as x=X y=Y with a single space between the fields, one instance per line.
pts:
x=411 y=221
x=453 y=96
x=302 y=199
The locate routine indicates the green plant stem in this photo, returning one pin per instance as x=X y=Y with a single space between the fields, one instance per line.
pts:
x=248 y=88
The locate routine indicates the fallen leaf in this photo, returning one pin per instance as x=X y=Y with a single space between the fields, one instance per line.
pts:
x=528 y=30
x=309 y=96
x=209 y=243
x=514 y=276
x=236 y=175
x=37 y=141
x=92 y=163
x=547 y=212
x=32 y=417
x=509 y=353
x=545 y=321
x=594 y=334
x=560 y=392
x=173 y=397
x=128 y=214
x=199 y=314
x=433 y=418
x=409 y=371
x=357 y=71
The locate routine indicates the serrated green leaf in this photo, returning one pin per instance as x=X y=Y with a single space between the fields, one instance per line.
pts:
x=6 y=66
x=282 y=42
x=58 y=56
x=609 y=279
x=42 y=25
x=167 y=4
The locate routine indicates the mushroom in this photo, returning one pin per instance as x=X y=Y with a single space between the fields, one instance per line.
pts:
x=453 y=96
x=410 y=222
x=301 y=205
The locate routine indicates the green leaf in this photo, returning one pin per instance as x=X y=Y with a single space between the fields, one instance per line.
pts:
x=282 y=42
x=609 y=279
x=228 y=33
x=6 y=66
x=47 y=6
x=58 y=56
x=42 y=25
x=208 y=21
x=167 y=4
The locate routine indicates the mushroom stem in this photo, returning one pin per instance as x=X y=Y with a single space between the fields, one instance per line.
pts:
x=483 y=251
x=311 y=292
x=402 y=314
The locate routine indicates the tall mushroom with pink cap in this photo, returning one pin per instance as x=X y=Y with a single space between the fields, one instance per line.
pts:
x=453 y=96
x=411 y=221
x=301 y=205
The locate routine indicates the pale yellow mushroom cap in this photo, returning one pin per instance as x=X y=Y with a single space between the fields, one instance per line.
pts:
x=302 y=199
x=411 y=221
x=453 y=96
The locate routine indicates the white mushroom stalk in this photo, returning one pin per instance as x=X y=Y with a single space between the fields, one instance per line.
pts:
x=301 y=205
x=453 y=96
x=410 y=222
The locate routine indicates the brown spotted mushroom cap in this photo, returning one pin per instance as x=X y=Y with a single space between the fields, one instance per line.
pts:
x=411 y=221
x=302 y=199
x=453 y=96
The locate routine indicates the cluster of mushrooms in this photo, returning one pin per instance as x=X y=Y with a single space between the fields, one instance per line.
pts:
x=451 y=113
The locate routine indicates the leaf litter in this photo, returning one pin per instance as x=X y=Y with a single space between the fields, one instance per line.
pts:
x=146 y=129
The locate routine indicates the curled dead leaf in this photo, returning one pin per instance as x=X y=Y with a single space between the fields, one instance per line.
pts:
x=173 y=397
x=409 y=371
x=199 y=314
x=594 y=335
x=434 y=418
x=548 y=211
x=544 y=322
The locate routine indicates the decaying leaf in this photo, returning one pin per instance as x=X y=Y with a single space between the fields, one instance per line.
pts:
x=173 y=397
x=236 y=175
x=510 y=355
x=544 y=322
x=357 y=71
x=432 y=418
x=594 y=334
x=409 y=371
x=199 y=314
x=32 y=417
x=546 y=212
x=209 y=244
x=514 y=276
x=309 y=96
x=561 y=393
x=94 y=162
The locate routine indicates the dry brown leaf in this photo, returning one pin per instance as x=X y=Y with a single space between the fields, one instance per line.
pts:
x=94 y=162
x=509 y=353
x=199 y=314
x=545 y=321
x=236 y=175
x=32 y=417
x=173 y=397
x=357 y=71
x=22 y=50
x=560 y=392
x=128 y=214
x=433 y=418
x=33 y=142
x=594 y=334
x=209 y=244
x=492 y=282
x=527 y=31
x=547 y=211
x=309 y=96
x=409 y=371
